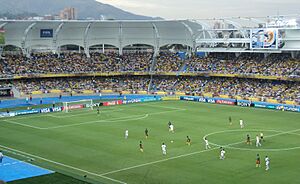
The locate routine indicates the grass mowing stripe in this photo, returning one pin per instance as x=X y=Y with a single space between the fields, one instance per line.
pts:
x=189 y=154
x=82 y=114
x=61 y=164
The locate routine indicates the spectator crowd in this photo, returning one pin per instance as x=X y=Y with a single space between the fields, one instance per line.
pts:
x=216 y=86
x=246 y=64
x=279 y=65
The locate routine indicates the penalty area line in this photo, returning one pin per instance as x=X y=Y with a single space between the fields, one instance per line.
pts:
x=61 y=164
x=23 y=124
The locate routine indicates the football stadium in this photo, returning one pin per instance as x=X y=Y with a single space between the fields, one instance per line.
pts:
x=150 y=101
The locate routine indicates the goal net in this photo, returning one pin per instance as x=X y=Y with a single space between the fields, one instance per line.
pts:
x=80 y=104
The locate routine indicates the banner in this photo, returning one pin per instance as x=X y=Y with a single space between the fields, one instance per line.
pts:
x=94 y=105
x=288 y=108
x=76 y=106
x=264 y=39
x=188 y=98
x=116 y=102
x=5 y=114
x=151 y=99
x=5 y=92
x=24 y=112
x=45 y=110
x=46 y=33
x=227 y=102
x=56 y=109
x=132 y=101
x=201 y=99
x=283 y=107
x=244 y=103
x=210 y=100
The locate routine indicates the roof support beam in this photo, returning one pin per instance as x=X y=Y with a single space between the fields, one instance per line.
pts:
x=237 y=26
x=24 y=38
x=2 y=25
x=85 y=40
x=120 y=38
x=193 y=42
x=156 y=39
x=54 y=41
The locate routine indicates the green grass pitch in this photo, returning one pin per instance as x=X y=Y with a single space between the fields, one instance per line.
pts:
x=82 y=143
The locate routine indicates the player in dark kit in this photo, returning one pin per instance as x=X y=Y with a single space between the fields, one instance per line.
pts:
x=248 y=140
x=141 y=147
x=146 y=133
x=230 y=120
x=257 y=160
x=262 y=137
x=188 y=140
x=98 y=110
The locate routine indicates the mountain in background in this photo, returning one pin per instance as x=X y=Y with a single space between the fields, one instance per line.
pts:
x=84 y=9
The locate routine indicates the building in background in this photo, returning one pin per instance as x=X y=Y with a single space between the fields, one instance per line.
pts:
x=68 y=14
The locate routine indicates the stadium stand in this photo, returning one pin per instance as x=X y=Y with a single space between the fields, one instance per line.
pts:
x=162 y=66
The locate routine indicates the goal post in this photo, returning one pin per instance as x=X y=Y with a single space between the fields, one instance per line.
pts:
x=80 y=104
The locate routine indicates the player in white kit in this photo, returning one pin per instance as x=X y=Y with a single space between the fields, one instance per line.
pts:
x=164 y=148
x=126 y=134
x=171 y=128
x=267 y=160
x=222 y=154
x=257 y=141
x=241 y=123
x=206 y=143
x=1 y=156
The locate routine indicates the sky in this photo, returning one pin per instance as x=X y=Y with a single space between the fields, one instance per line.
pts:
x=198 y=9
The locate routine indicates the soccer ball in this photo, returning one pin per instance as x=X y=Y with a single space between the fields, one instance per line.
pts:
x=172 y=141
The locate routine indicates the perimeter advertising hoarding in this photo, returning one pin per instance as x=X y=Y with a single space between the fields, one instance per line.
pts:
x=2 y=37
x=264 y=39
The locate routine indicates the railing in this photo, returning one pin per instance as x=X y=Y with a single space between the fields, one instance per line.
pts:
x=139 y=73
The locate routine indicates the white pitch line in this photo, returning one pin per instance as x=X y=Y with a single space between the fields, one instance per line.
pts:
x=158 y=161
x=120 y=119
x=29 y=116
x=258 y=149
x=23 y=124
x=18 y=154
x=185 y=155
x=64 y=165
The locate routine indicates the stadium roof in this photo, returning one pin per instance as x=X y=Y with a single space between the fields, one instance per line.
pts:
x=205 y=33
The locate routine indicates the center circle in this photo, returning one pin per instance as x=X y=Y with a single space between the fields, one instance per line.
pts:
x=231 y=146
